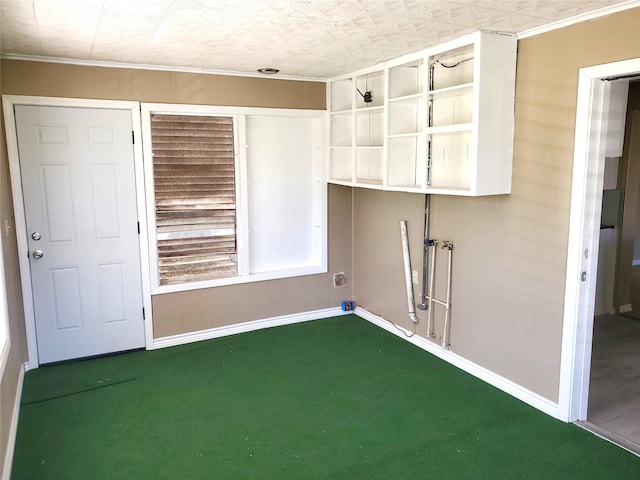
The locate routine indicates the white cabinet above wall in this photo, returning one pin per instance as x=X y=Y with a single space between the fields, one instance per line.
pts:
x=357 y=128
x=437 y=121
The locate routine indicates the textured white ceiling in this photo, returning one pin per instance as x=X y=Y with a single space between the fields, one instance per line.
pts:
x=305 y=38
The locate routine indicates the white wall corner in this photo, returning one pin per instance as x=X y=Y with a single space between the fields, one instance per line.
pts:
x=225 y=331
x=13 y=428
x=518 y=391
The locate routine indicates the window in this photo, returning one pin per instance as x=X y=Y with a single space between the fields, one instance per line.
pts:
x=234 y=195
x=195 y=197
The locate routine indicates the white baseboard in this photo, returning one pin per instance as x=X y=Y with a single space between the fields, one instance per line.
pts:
x=208 y=334
x=625 y=308
x=527 y=396
x=13 y=428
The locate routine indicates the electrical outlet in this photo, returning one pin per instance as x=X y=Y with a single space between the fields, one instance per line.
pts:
x=339 y=280
x=348 y=305
x=414 y=277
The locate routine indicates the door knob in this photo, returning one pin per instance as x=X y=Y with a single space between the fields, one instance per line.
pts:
x=36 y=235
x=38 y=253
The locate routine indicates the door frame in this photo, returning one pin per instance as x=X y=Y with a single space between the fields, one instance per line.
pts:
x=8 y=103
x=584 y=230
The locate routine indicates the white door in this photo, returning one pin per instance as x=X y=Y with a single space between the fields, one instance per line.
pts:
x=78 y=181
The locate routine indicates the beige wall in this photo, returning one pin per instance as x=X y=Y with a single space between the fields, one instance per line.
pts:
x=510 y=251
x=59 y=80
x=18 y=351
x=201 y=309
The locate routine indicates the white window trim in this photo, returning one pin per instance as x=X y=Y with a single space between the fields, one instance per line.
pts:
x=242 y=206
x=239 y=114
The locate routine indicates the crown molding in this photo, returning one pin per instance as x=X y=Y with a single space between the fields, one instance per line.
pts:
x=144 y=66
x=583 y=17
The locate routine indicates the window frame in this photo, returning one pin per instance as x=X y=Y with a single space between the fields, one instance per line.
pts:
x=239 y=114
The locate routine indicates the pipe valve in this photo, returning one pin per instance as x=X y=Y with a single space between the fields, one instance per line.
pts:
x=447 y=245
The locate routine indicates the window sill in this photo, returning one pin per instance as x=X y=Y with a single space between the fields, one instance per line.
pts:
x=241 y=279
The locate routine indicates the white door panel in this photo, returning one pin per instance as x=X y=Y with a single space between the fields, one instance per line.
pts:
x=77 y=169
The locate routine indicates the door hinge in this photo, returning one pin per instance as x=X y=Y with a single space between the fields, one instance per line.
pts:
x=583 y=276
x=143 y=315
x=133 y=137
x=138 y=228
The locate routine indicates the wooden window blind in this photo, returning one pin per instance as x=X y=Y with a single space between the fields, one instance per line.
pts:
x=194 y=180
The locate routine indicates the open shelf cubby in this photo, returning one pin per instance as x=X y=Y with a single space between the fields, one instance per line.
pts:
x=436 y=121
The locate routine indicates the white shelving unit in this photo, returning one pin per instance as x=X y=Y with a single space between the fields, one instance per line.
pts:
x=470 y=127
x=406 y=120
x=439 y=121
x=358 y=128
x=450 y=123
x=341 y=118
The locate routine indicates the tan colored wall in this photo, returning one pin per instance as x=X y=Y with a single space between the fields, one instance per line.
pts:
x=202 y=309
x=510 y=251
x=72 y=81
x=18 y=351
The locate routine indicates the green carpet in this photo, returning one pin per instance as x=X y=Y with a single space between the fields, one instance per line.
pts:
x=329 y=399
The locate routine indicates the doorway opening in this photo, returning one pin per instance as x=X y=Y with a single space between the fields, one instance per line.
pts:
x=585 y=248
x=614 y=386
